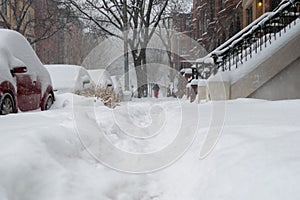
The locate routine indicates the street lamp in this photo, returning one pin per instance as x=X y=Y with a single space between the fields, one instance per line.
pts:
x=260 y=3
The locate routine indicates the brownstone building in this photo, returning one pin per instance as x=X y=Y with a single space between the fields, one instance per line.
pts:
x=47 y=49
x=64 y=46
x=70 y=43
x=215 y=21
x=182 y=42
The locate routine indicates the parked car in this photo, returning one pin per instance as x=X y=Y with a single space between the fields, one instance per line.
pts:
x=25 y=84
x=69 y=78
x=101 y=78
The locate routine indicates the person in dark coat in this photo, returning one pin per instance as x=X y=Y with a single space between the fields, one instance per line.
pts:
x=156 y=90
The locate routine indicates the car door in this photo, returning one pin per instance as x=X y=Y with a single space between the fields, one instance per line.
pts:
x=28 y=89
x=37 y=88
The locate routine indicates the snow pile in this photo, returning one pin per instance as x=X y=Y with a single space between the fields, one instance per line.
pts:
x=49 y=161
x=257 y=156
x=69 y=78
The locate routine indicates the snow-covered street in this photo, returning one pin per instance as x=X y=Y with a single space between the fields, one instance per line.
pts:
x=59 y=154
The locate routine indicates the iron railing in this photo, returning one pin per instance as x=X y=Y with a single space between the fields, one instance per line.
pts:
x=252 y=39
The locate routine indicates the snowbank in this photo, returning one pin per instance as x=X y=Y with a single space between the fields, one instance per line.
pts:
x=257 y=157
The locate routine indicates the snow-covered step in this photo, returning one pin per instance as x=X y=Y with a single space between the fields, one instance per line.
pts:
x=282 y=55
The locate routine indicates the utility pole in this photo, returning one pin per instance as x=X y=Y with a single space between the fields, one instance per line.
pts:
x=125 y=33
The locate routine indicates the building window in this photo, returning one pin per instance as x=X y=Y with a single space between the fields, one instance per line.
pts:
x=205 y=22
x=238 y=24
x=183 y=50
x=231 y=30
x=222 y=4
x=3 y=7
x=259 y=8
x=274 y=4
x=199 y=28
x=187 y=24
x=249 y=15
x=212 y=10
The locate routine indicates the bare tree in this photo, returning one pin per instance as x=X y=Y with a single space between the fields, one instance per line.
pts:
x=23 y=16
x=133 y=21
x=166 y=30
x=16 y=15
x=166 y=34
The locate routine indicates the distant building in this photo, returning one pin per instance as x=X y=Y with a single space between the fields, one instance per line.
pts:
x=63 y=47
x=216 y=21
x=182 y=40
x=4 y=10
x=47 y=49
x=70 y=43
x=12 y=18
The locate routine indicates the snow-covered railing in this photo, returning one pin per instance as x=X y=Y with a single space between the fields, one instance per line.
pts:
x=250 y=40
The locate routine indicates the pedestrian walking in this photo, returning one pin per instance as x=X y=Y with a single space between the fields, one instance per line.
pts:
x=156 y=90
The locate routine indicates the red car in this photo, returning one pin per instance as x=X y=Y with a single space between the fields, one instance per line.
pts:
x=25 y=83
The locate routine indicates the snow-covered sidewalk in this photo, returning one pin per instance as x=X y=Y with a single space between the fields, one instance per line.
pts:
x=53 y=154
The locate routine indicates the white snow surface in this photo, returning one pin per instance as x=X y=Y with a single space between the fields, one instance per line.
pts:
x=257 y=156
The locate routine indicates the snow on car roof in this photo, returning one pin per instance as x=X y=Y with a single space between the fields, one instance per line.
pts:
x=15 y=50
x=17 y=45
x=67 y=77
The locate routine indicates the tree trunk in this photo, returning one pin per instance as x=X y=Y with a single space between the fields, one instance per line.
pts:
x=145 y=77
x=141 y=73
x=139 y=76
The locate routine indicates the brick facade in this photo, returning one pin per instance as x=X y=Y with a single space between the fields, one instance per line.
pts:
x=182 y=43
x=64 y=47
x=216 y=21
x=70 y=44
x=14 y=18
x=252 y=9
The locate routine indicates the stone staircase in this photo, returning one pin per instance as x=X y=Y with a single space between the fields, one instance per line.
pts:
x=262 y=61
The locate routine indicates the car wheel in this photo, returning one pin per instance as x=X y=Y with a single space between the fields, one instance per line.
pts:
x=7 y=104
x=49 y=102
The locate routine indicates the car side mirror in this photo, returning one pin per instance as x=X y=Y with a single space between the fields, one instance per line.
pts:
x=85 y=82
x=19 y=70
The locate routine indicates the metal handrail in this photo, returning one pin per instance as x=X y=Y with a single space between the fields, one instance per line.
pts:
x=250 y=40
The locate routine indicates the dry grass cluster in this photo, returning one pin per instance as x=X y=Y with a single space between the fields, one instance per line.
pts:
x=106 y=95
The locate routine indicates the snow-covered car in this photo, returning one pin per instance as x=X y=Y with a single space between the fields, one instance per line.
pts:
x=69 y=78
x=101 y=78
x=25 y=84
